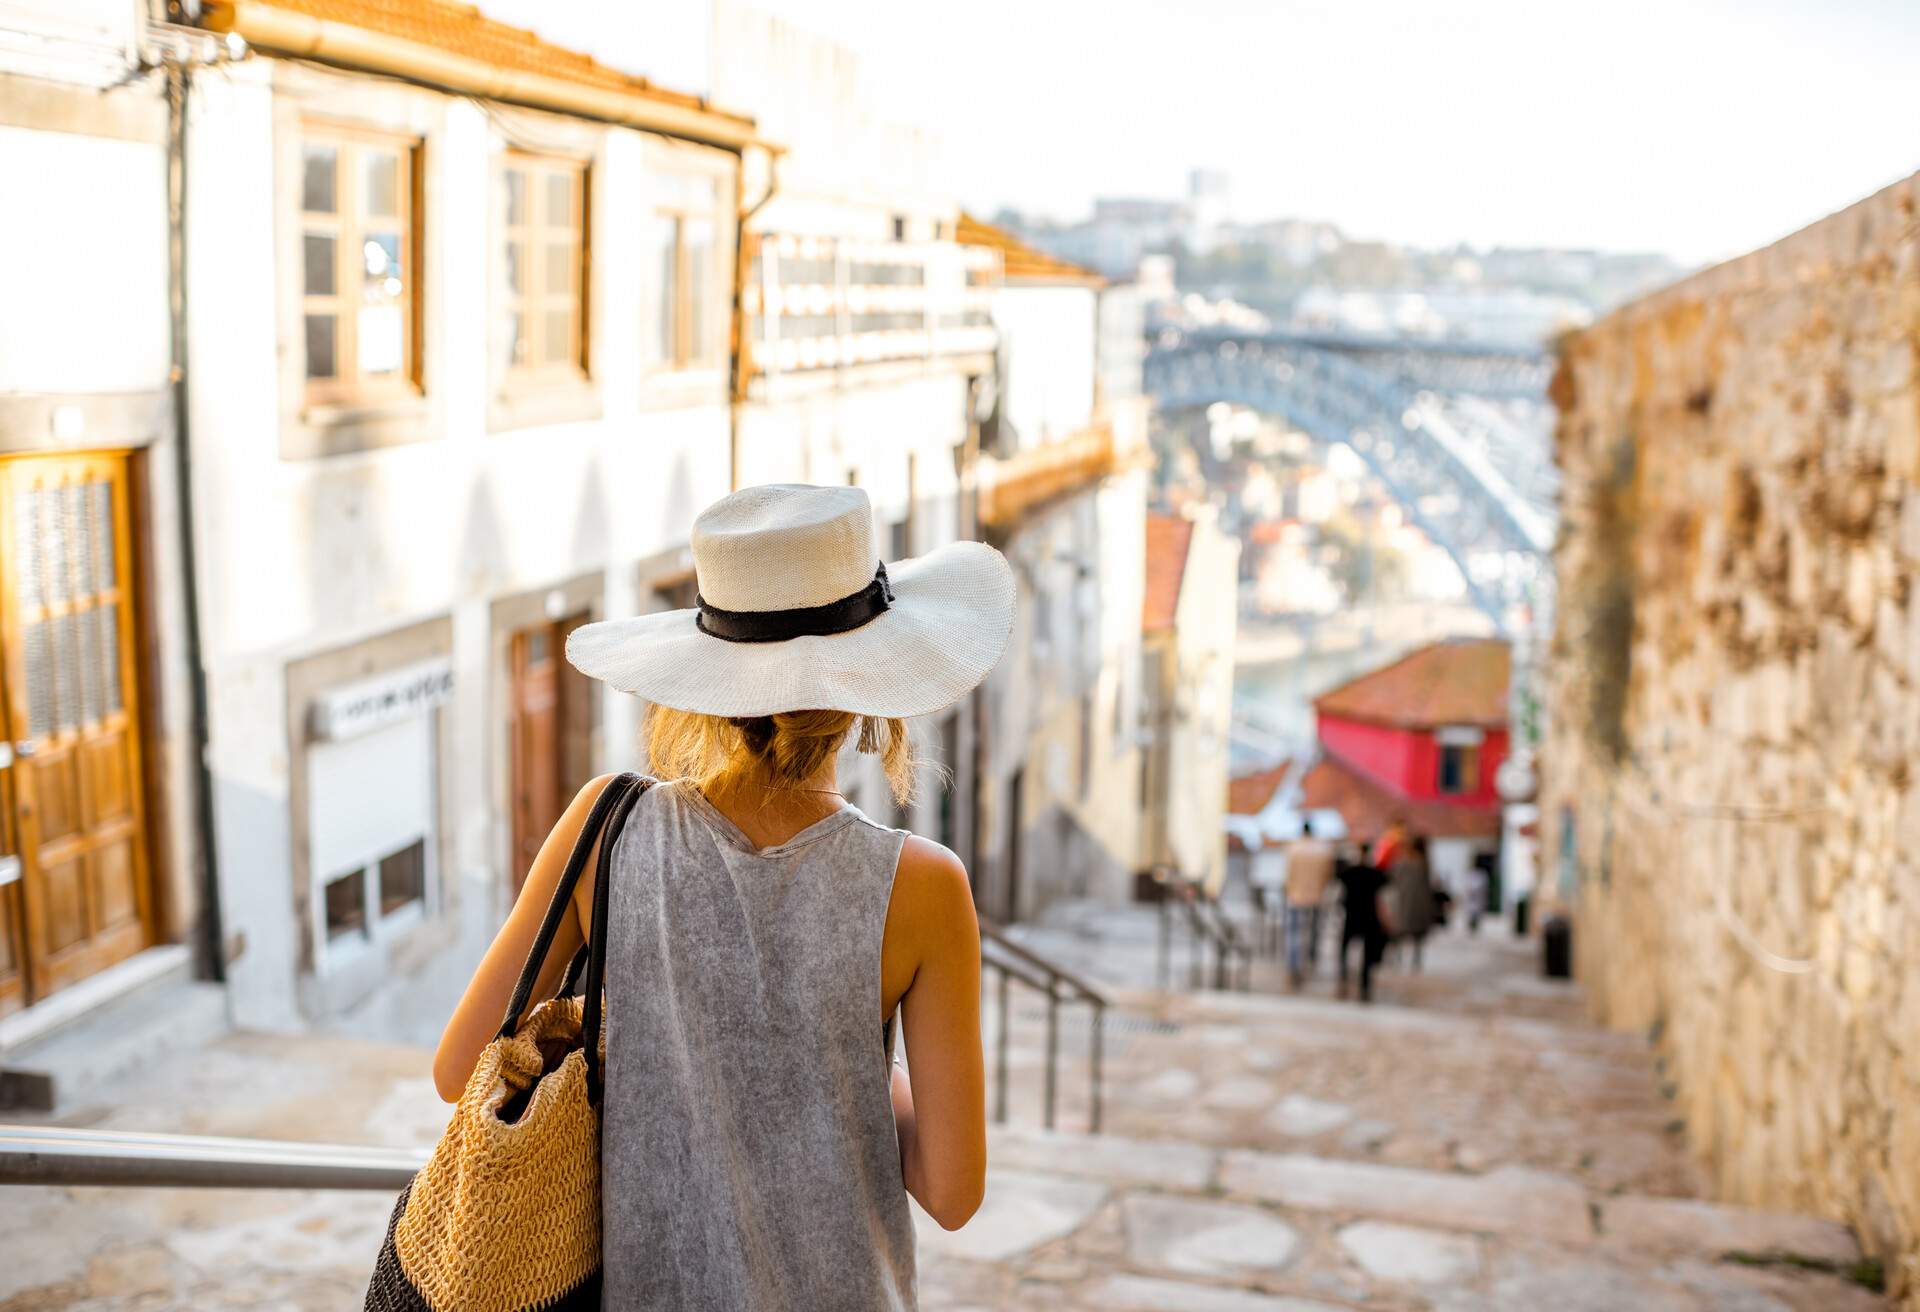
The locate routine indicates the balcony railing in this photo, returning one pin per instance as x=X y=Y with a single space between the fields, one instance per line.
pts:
x=819 y=303
x=1013 y=486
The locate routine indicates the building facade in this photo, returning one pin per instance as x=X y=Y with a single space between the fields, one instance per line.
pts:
x=435 y=336
x=461 y=381
x=867 y=338
x=99 y=882
x=1061 y=489
x=1420 y=740
x=1189 y=616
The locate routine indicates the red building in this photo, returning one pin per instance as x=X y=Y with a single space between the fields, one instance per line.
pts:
x=1419 y=740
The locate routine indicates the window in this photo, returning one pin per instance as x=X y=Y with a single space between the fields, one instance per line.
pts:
x=347 y=905
x=370 y=821
x=1459 y=768
x=544 y=301
x=391 y=884
x=686 y=322
x=359 y=264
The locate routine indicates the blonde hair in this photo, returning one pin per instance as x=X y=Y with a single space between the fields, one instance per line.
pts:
x=783 y=751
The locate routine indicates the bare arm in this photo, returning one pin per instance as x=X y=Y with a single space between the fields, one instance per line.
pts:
x=482 y=1007
x=941 y=1110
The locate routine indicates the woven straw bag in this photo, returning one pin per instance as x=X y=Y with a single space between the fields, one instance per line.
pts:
x=505 y=1216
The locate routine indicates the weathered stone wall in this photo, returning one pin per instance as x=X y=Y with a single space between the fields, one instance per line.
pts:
x=1731 y=803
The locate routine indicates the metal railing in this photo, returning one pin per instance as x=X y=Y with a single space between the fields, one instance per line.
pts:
x=814 y=303
x=36 y=1155
x=59 y=1157
x=1209 y=926
x=1018 y=963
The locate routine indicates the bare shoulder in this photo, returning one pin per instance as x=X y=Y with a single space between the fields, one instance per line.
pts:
x=930 y=885
x=576 y=812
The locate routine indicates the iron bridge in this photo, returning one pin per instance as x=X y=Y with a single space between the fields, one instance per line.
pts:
x=1459 y=434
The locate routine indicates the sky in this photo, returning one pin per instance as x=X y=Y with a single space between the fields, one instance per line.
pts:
x=1699 y=128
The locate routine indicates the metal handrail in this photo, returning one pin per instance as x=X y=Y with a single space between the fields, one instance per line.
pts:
x=36 y=1155
x=992 y=932
x=1015 y=961
x=1227 y=937
x=1217 y=930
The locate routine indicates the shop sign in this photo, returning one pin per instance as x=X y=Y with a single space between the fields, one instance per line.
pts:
x=356 y=708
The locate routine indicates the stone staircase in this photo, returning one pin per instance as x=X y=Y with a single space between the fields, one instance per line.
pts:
x=1264 y=1153
x=1484 y=1149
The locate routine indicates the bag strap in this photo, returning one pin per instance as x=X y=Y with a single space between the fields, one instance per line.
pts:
x=620 y=788
x=597 y=943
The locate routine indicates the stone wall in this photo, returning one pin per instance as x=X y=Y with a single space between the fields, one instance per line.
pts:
x=1731 y=795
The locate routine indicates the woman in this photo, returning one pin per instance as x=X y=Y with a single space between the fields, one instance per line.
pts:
x=1413 y=896
x=757 y=1148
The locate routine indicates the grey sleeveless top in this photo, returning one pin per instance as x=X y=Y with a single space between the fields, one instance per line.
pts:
x=748 y=1156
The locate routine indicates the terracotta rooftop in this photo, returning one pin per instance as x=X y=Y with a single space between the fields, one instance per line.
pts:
x=1168 y=537
x=1368 y=808
x=1249 y=793
x=1460 y=681
x=444 y=27
x=1019 y=261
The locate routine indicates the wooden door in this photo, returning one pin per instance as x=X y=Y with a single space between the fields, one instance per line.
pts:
x=549 y=728
x=66 y=640
x=13 y=945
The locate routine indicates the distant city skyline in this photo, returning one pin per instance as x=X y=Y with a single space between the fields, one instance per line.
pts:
x=1693 y=128
x=1697 y=128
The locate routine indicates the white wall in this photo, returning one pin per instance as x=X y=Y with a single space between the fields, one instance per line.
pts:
x=844 y=150
x=1049 y=349
x=83 y=263
x=81 y=41
x=1204 y=624
x=300 y=556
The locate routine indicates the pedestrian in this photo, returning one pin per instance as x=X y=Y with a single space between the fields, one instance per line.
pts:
x=1309 y=871
x=757 y=1148
x=1361 y=921
x=1388 y=845
x=1413 y=896
x=1478 y=885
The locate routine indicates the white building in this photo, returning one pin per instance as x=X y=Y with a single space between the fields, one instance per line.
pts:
x=1190 y=617
x=867 y=341
x=461 y=381
x=99 y=886
x=1063 y=493
x=469 y=332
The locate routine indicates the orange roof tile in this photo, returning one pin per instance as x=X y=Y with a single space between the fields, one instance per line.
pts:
x=1249 y=793
x=452 y=28
x=1368 y=808
x=1168 y=537
x=1460 y=681
x=1019 y=261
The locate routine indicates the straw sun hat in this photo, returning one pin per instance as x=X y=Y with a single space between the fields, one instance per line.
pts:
x=797 y=612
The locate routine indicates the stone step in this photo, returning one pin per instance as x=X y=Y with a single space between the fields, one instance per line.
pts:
x=1519 y=1203
x=63 y=1069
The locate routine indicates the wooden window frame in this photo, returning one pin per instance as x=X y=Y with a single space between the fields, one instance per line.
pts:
x=1469 y=779
x=347 y=387
x=682 y=354
x=533 y=237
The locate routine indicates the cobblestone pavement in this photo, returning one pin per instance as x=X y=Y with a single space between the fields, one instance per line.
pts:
x=1486 y=1149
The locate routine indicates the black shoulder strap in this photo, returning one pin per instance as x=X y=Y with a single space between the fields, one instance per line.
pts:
x=620 y=789
x=597 y=942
